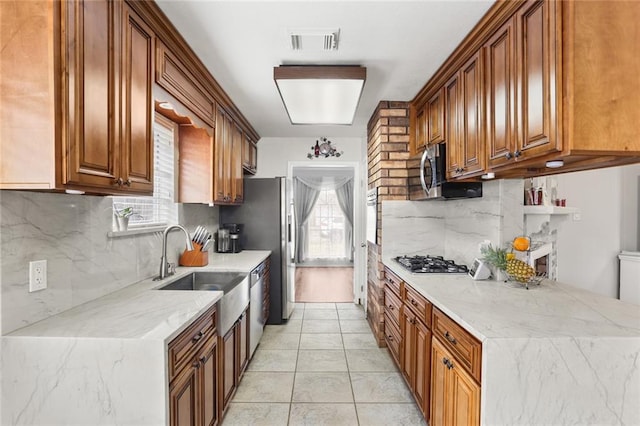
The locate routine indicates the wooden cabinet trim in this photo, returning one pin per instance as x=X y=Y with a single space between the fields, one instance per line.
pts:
x=393 y=281
x=173 y=76
x=418 y=304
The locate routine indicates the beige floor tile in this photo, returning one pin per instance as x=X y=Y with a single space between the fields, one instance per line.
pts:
x=291 y=326
x=370 y=360
x=351 y=314
x=308 y=306
x=321 y=341
x=279 y=341
x=298 y=313
x=322 y=387
x=380 y=387
x=346 y=306
x=257 y=386
x=320 y=326
x=329 y=314
x=321 y=360
x=273 y=360
x=323 y=415
x=354 y=326
x=359 y=341
x=389 y=415
x=258 y=414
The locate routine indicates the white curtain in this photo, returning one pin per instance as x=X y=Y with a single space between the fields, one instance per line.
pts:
x=305 y=198
x=344 y=194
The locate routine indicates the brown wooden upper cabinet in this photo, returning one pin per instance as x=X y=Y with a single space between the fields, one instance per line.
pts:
x=464 y=119
x=100 y=125
x=521 y=85
x=554 y=80
x=227 y=179
x=428 y=126
x=249 y=155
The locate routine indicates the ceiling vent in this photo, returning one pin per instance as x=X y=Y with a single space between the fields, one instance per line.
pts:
x=314 y=39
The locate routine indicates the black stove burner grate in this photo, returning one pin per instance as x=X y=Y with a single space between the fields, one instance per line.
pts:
x=431 y=264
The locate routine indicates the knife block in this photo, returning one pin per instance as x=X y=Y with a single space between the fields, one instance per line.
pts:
x=194 y=257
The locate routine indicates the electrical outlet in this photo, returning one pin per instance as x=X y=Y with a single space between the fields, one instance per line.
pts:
x=577 y=217
x=37 y=275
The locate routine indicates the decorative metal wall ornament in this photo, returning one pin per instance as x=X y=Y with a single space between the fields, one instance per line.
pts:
x=323 y=148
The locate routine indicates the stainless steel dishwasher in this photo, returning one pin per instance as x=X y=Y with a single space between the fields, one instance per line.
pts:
x=257 y=321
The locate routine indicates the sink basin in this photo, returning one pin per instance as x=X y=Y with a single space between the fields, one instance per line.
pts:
x=234 y=285
x=220 y=281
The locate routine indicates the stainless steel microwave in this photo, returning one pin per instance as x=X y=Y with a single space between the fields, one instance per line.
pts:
x=428 y=178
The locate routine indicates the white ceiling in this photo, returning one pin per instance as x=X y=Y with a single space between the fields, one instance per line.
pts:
x=401 y=43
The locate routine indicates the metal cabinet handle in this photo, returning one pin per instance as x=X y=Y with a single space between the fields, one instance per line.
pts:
x=127 y=182
x=448 y=363
x=517 y=154
x=203 y=359
x=390 y=338
x=508 y=156
x=197 y=337
x=450 y=338
x=118 y=181
x=414 y=303
x=196 y=364
x=390 y=307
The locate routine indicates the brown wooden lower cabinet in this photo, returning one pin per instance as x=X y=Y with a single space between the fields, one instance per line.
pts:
x=193 y=391
x=416 y=353
x=234 y=348
x=455 y=396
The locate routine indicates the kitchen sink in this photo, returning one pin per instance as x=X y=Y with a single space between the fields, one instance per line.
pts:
x=234 y=285
x=203 y=281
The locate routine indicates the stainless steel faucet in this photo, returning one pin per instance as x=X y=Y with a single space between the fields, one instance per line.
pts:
x=164 y=265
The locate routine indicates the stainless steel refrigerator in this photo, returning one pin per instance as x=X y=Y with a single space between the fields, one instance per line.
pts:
x=268 y=224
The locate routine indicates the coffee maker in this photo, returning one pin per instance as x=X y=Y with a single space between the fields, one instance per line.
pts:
x=230 y=241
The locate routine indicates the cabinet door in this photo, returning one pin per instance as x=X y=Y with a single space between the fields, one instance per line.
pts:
x=227 y=153
x=91 y=101
x=218 y=158
x=421 y=129
x=536 y=84
x=439 y=372
x=137 y=103
x=237 y=189
x=435 y=121
x=422 y=376
x=183 y=398
x=471 y=97
x=407 y=364
x=464 y=397
x=243 y=343
x=209 y=384
x=229 y=366
x=500 y=96
x=452 y=123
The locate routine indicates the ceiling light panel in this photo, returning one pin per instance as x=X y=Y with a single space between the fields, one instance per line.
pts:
x=320 y=94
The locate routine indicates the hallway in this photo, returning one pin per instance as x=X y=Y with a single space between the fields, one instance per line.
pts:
x=325 y=284
x=322 y=368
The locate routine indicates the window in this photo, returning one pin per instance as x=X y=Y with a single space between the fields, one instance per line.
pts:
x=326 y=228
x=160 y=209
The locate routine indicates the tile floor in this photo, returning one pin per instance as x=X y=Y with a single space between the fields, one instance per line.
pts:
x=322 y=368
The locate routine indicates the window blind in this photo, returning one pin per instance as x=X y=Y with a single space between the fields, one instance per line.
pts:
x=161 y=208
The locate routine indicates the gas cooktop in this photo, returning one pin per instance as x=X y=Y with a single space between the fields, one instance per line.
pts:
x=431 y=265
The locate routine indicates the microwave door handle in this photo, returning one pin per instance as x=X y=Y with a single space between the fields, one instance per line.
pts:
x=423 y=160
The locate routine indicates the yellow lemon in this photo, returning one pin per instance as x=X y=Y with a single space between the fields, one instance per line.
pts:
x=511 y=256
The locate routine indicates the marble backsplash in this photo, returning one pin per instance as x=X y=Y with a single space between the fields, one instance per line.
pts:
x=454 y=228
x=83 y=263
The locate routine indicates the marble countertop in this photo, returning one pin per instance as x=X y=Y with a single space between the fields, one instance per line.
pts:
x=494 y=309
x=140 y=311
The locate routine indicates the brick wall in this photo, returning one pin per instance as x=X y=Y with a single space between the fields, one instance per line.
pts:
x=387 y=155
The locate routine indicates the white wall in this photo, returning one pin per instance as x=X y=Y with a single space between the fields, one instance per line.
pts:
x=274 y=154
x=588 y=249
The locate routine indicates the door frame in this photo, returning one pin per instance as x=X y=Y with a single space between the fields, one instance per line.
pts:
x=359 y=220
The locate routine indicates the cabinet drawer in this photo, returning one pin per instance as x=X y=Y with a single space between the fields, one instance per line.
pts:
x=189 y=341
x=392 y=337
x=418 y=304
x=392 y=281
x=466 y=348
x=392 y=305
